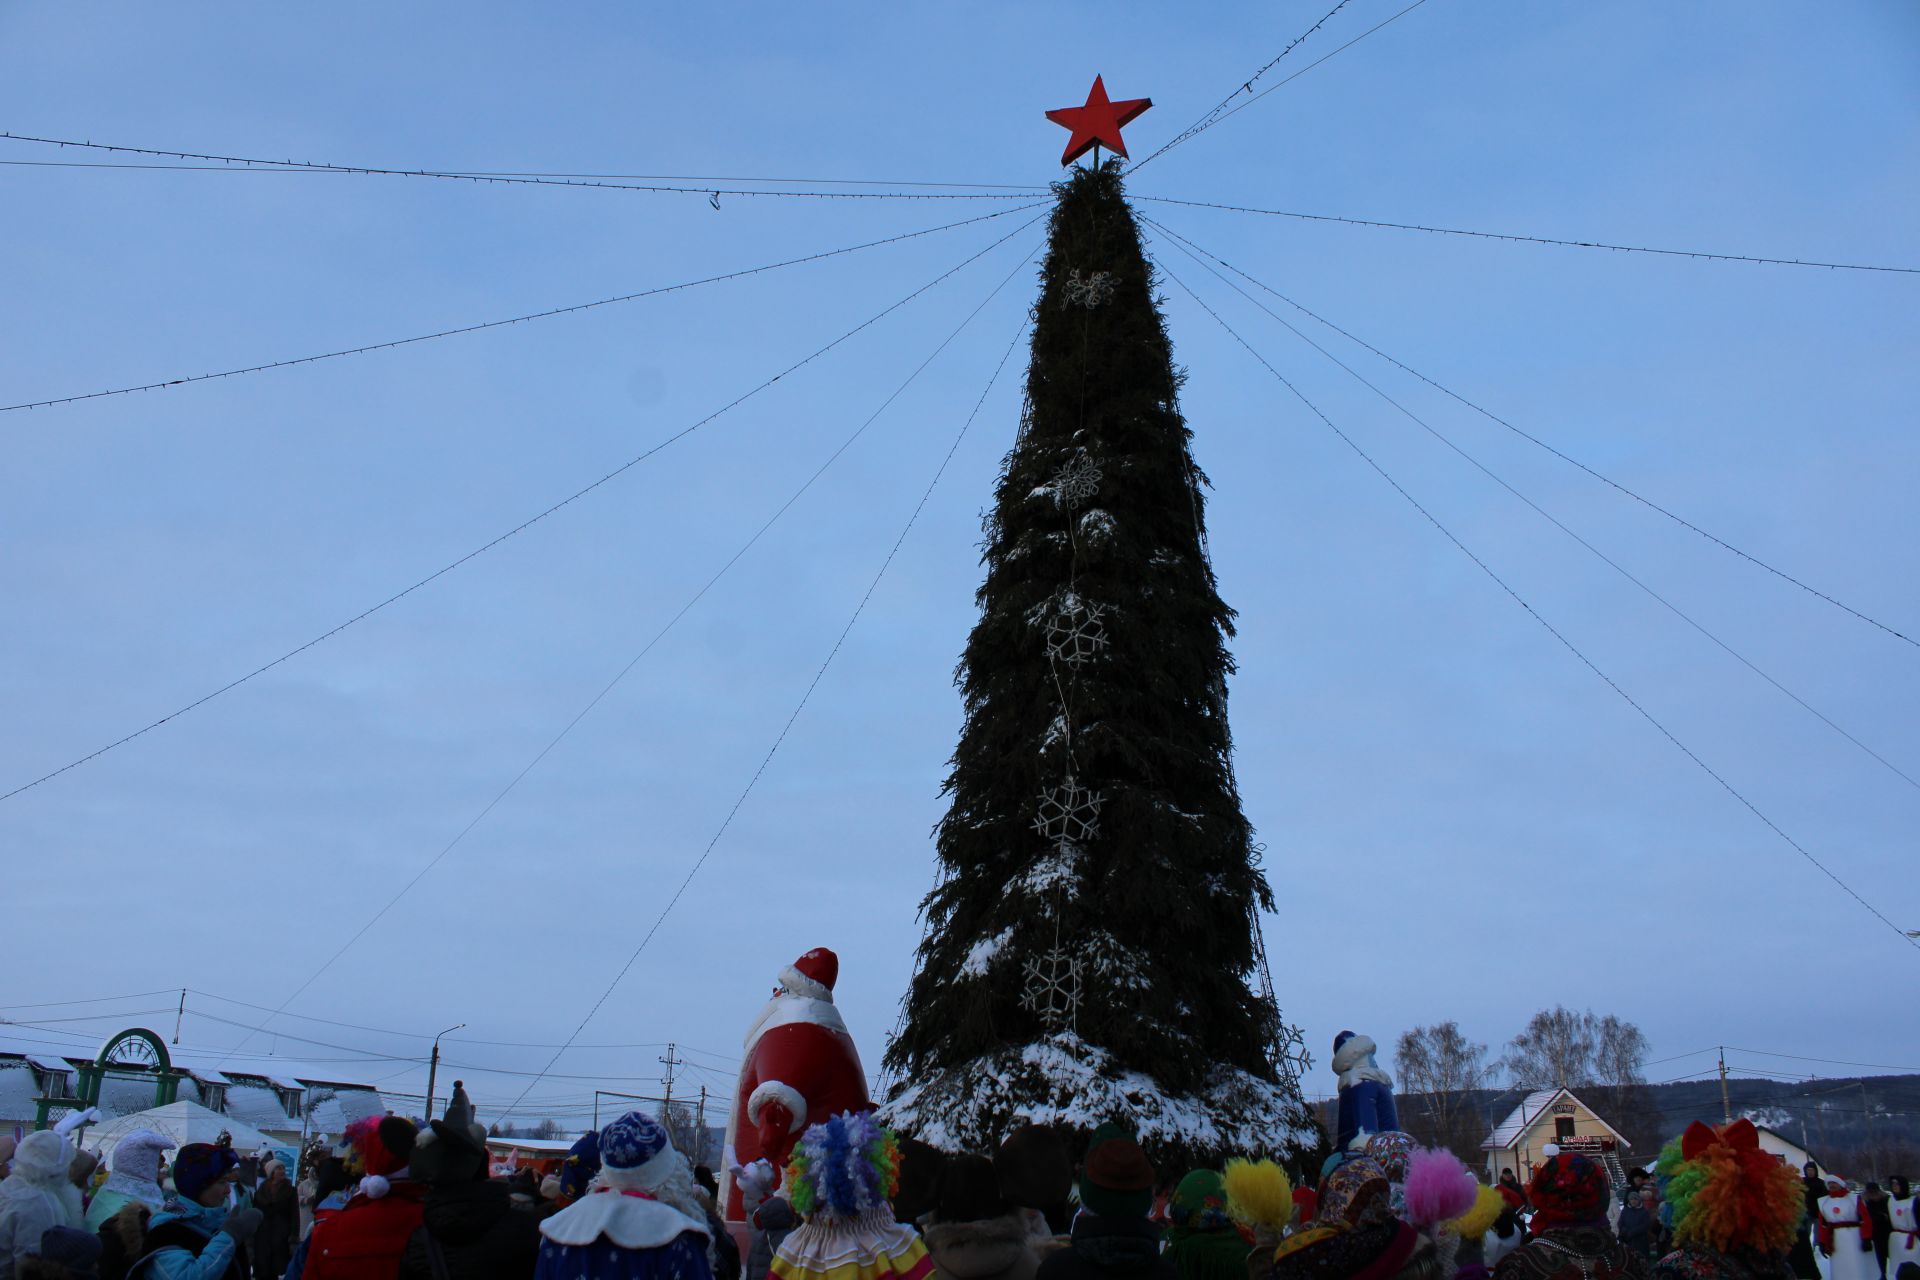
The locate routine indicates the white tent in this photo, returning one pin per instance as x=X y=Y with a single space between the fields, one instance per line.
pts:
x=184 y=1122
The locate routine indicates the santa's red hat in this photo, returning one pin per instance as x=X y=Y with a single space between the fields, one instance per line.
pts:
x=813 y=974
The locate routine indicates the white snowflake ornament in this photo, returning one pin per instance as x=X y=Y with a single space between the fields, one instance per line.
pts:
x=1068 y=813
x=1076 y=634
x=1087 y=291
x=1054 y=981
x=1075 y=483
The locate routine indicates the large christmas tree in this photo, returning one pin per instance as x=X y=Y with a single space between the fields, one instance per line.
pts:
x=1091 y=942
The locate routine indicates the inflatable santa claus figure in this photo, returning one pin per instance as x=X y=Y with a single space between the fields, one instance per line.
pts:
x=799 y=1069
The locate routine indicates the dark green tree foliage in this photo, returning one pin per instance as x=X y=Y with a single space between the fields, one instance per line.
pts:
x=1158 y=900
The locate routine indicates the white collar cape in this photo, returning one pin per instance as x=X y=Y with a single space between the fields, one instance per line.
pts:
x=628 y=1221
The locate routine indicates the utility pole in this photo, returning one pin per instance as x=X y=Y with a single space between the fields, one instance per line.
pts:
x=181 y=1013
x=671 y=1061
x=1726 y=1107
x=433 y=1068
x=700 y=1126
x=1873 y=1138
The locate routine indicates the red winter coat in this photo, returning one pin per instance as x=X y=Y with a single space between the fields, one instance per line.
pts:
x=800 y=1069
x=366 y=1240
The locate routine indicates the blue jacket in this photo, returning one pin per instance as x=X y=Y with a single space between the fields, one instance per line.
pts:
x=1368 y=1105
x=176 y=1262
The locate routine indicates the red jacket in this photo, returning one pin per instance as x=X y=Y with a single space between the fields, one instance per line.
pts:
x=365 y=1240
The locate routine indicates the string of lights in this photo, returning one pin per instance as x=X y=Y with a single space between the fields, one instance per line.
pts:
x=1530 y=438
x=799 y=706
x=1246 y=87
x=1336 y=52
x=1555 y=632
x=524 y=525
x=277 y=167
x=1517 y=238
x=1182 y=244
x=648 y=648
x=503 y=178
x=572 y=309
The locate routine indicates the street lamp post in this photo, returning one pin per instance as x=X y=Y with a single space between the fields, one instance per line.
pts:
x=433 y=1066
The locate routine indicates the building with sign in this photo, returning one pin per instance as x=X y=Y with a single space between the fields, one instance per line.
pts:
x=1556 y=1117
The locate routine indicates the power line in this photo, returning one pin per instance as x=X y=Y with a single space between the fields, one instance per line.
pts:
x=798 y=707
x=524 y=525
x=1290 y=79
x=1246 y=87
x=1516 y=238
x=1567 y=458
x=1188 y=247
x=1841 y=1062
x=511 y=320
x=1550 y=628
x=62 y=1004
x=502 y=178
x=278 y=167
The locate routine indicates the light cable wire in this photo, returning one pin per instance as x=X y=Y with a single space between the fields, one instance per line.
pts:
x=1628 y=698
x=528 y=523
x=1181 y=243
x=510 y=320
x=1570 y=460
x=800 y=706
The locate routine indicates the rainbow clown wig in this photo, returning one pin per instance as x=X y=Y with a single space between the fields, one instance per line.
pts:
x=840 y=1180
x=1727 y=1194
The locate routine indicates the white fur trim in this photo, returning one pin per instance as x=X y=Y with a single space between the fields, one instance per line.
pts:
x=374 y=1186
x=628 y=1221
x=1550 y=1150
x=786 y=1095
x=1354 y=1052
x=648 y=1174
x=801 y=985
x=783 y=1011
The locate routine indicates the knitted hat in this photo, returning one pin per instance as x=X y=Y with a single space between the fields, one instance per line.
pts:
x=813 y=974
x=636 y=1153
x=969 y=1191
x=1034 y=1168
x=78 y=1251
x=1117 y=1179
x=1729 y=1194
x=138 y=1154
x=454 y=1149
x=199 y=1165
x=583 y=1161
x=1200 y=1202
x=1569 y=1191
x=385 y=1148
x=1356 y=1194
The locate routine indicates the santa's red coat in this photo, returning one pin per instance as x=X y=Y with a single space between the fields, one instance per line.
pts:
x=365 y=1240
x=800 y=1069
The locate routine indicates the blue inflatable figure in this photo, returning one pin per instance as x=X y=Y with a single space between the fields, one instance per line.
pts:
x=1366 y=1091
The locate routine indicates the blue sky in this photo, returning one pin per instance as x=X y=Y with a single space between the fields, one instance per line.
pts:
x=1460 y=820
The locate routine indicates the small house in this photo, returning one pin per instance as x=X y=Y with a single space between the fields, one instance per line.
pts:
x=1550 y=1117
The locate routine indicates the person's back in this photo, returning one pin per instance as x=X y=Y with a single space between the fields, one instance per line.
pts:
x=477 y=1234
x=1113 y=1239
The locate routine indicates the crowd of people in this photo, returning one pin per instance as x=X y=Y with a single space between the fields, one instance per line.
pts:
x=854 y=1202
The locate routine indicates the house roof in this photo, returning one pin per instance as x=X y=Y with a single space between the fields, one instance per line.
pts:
x=1507 y=1134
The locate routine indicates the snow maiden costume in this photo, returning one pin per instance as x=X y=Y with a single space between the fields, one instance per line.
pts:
x=1844 y=1234
x=135 y=1178
x=1366 y=1091
x=842 y=1175
x=799 y=1069
x=638 y=1221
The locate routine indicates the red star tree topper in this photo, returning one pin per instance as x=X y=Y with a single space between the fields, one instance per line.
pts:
x=1097 y=123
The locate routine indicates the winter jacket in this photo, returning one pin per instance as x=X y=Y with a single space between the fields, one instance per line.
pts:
x=1635 y=1230
x=1110 y=1249
x=364 y=1241
x=988 y=1249
x=479 y=1233
x=771 y=1222
x=185 y=1242
x=28 y=1206
x=1219 y=1254
x=272 y=1245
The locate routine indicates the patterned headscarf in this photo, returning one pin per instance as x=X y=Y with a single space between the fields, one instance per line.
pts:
x=1356 y=1194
